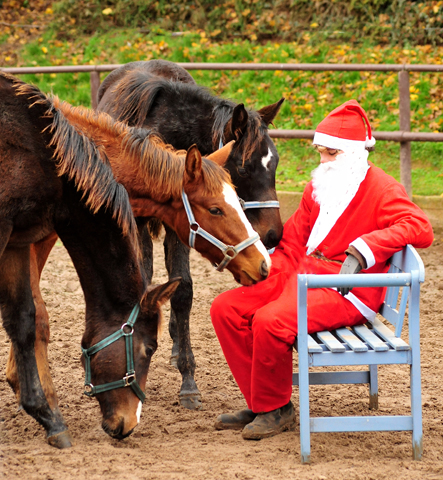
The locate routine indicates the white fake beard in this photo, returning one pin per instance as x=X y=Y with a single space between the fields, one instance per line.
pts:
x=335 y=185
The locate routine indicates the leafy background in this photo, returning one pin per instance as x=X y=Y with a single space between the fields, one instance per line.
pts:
x=292 y=31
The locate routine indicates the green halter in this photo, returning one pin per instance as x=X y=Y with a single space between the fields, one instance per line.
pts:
x=129 y=379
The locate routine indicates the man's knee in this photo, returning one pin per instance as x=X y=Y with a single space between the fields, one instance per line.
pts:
x=219 y=308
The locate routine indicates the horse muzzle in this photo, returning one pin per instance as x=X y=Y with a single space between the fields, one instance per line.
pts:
x=120 y=431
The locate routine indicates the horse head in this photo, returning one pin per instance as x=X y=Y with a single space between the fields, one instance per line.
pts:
x=227 y=238
x=127 y=346
x=252 y=164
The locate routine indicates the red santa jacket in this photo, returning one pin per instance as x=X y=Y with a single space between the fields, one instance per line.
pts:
x=379 y=221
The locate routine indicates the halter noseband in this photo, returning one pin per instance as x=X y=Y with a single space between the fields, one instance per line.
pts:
x=129 y=379
x=256 y=203
x=229 y=251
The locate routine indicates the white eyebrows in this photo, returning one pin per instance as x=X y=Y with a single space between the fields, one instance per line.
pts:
x=266 y=160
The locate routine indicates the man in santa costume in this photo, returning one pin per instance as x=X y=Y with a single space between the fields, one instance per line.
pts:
x=352 y=217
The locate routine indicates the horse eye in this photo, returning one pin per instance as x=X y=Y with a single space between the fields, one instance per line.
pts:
x=242 y=171
x=150 y=350
x=215 y=211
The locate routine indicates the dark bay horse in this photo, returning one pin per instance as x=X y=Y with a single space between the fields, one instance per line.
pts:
x=54 y=182
x=162 y=96
x=159 y=182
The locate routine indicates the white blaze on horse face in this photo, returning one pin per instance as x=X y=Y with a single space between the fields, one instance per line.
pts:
x=266 y=160
x=139 y=411
x=232 y=199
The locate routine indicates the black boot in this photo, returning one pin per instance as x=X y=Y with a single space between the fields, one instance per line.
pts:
x=234 y=421
x=270 y=423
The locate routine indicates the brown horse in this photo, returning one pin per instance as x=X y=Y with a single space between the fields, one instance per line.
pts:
x=157 y=179
x=92 y=215
x=162 y=96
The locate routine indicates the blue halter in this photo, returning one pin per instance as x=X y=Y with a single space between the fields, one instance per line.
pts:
x=229 y=251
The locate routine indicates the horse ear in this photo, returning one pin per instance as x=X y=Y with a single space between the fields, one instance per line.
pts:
x=239 y=121
x=269 y=112
x=158 y=295
x=221 y=155
x=193 y=164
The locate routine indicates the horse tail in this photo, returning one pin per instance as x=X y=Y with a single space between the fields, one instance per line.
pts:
x=135 y=97
x=83 y=162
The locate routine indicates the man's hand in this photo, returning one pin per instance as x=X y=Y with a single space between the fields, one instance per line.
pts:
x=350 y=265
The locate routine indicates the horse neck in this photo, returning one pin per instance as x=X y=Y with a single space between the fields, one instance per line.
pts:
x=150 y=172
x=108 y=263
x=183 y=121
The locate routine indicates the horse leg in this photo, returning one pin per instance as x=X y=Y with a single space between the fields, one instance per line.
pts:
x=147 y=248
x=38 y=255
x=177 y=264
x=18 y=314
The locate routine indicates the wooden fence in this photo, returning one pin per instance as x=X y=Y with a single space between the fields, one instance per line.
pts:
x=404 y=136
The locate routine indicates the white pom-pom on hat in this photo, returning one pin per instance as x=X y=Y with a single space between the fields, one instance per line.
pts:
x=370 y=142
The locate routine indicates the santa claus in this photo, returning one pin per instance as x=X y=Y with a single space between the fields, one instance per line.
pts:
x=352 y=218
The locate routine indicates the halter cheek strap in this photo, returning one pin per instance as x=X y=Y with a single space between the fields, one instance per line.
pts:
x=229 y=251
x=258 y=204
x=129 y=379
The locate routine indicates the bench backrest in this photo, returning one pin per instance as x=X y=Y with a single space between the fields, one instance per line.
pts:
x=396 y=298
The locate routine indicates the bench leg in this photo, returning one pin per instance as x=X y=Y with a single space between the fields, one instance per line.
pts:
x=414 y=340
x=373 y=387
x=303 y=374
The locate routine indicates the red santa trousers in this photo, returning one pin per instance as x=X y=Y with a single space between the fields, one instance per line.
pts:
x=257 y=326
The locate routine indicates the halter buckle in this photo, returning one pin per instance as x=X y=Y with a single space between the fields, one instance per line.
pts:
x=230 y=252
x=129 y=378
x=89 y=390
x=125 y=333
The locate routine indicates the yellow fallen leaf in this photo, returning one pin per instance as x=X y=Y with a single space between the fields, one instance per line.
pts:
x=107 y=11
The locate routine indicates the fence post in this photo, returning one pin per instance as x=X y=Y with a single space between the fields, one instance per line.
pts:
x=405 y=126
x=95 y=83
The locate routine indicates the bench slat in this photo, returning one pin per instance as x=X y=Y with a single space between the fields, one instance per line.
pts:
x=313 y=346
x=388 y=335
x=370 y=338
x=351 y=340
x=331 y=342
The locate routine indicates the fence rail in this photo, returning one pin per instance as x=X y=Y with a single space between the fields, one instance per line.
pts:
x=404 y=136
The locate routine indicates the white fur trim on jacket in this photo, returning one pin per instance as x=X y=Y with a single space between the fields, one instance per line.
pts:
x=363 y=248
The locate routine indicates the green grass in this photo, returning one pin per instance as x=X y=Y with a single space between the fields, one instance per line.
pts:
x=309 y=95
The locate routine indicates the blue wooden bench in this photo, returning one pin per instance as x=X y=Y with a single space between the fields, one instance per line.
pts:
x=360 y=345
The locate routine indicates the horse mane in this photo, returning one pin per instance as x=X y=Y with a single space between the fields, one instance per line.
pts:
x=135 y=97
x=84 y=163
x=159 y=165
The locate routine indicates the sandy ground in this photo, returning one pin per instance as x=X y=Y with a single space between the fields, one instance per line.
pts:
x=174 y=443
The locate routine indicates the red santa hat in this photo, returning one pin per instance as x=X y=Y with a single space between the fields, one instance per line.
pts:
x=345 y=128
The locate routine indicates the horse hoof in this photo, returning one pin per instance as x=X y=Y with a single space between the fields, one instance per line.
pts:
x=61 y=440
x=191 y=401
